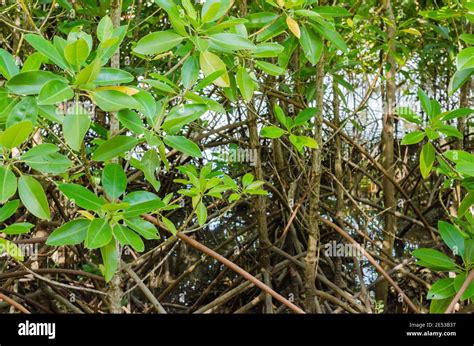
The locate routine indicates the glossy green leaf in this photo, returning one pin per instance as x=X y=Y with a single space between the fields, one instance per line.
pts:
x=47 y=49
x=146 y=229
x=413 y=137
x=245 y=83
x=114 y=180
x=33 y=197
x=54 y=91
x=75 y=126
x=76 y=53
x=114 y=147
x=211 y=63
x=8 y=66
x=184 y=145
x=272 y=132
x=158 y=42
x=81 y=196
x=230 y=42
x=99 y=233
x=24 y=110
x=452 y=237
x=110 y=258
x=8 y=184
x=441 y=289
x=31 y=82
x=312 y=44
x=112 y=76
x=71 y=233
x=113 y=100
x=434 y=259
x=269 y=68
x=126 y=236
x=427 y=158
x=9 y=208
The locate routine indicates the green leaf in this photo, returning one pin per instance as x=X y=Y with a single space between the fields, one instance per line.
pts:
x=425 y=102
x=26 y=109
x=169 y=225
x=269 y=68
x=40 y=150
x=201 y=212
x=18 y=228
x=457 y=113
x=99 y=234
x=76 y=53
x=142 y=202
x=267 y=50
x=113 y=147
x=8 y=66
x=182 y=115
x=459 y=281
x=245 y=83
x=114 y=180
x=50 y=163
x=33 y=197
x=126 y=236
x=331 y=11
x=434 y=259
x=184 y=145
x=112 y=76
x=427 y=158
x=441 y=289
x=190 y=72
x=34 y=62
x=466 y=203
x=212 y=10
x=47 y=49
x=331 y=35
x=312 y=45
x=280 y=115
x=158 y=42
x=413 y=137
x=452 y=237
x=131 y=120
x=272 y=132
x=8 y=184
x=146 y=229
x=7 y=210
x=458 y=79
x=105 y=29
x=211 y=63
x=31 y=82
x=81 y=196
x=71 y=233
x=469 y=251
x=308 y=142
x=89 y=73
x=408 y=114
x=230 y=42
x=75 y=126
x=54 y=91
x=110 y=258
x=304 y=116
x=113 y=100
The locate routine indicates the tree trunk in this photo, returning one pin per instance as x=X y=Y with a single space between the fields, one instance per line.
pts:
x=388 y=236
x=312 y=255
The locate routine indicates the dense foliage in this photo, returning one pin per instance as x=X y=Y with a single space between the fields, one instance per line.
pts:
x=137 y=136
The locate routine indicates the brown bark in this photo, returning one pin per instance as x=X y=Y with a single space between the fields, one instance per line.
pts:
x=381 y=290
